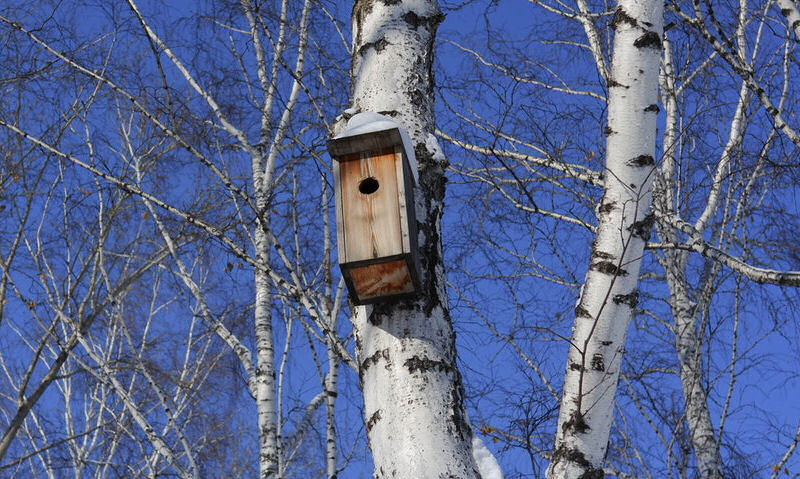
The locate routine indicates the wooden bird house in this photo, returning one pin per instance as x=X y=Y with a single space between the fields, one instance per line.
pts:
x=375 y=221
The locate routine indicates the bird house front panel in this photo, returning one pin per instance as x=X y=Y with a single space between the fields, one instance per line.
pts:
x=370 y=202
x=375 y=220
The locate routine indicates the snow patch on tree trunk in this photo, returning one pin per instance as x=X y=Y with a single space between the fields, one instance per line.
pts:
x=487 y=464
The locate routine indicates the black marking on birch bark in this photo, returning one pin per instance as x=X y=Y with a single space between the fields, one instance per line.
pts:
x=614 y=83
x=428 y=22
x=608 y=131
x=795 y=24
x=620 y=17
x=597 y=362
x=456 y=405
x=391 y=2
x=418 y=98
x=375 y=318
x=412 y=19
x=593 y=473
x=642 y=228
x=379 y=45
x=642 y=160
x=576 y=423
x=654 y=108
x=603 y=255
x=786 y=12
x=631 y=299
x=607 y=343
x=376 y=356
x=361 y=8
x=608 y=267
x=607 y=207
x=432 y=185
x=575 y=456
x=376 y=416
x=648 y=40
x=581 y=312
x=575 y=366
x=425 y=364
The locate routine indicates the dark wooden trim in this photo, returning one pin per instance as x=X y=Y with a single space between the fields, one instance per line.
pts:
x=374 y=140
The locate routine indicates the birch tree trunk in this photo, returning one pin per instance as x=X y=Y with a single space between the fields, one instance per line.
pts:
x=684 y=312
x=413 y=397
x=609 y=294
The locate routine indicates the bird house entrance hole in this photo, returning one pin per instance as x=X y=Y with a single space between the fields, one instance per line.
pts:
x=367 y=186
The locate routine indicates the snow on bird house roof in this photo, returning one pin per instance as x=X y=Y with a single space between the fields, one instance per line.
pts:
x=386 y=132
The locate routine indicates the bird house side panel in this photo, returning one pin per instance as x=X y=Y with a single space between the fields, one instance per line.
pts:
x=370 y=210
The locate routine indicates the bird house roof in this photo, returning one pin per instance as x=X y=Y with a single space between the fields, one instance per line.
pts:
x=373 y=131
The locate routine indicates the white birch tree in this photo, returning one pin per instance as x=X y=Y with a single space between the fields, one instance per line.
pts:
x=609 y=293
x=719 y=181
x=170 y=120
x=413 y=396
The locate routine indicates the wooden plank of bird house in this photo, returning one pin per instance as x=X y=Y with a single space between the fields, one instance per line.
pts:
x=341 y=250
x=371 y=215
x=374 y=281
x=401 y=197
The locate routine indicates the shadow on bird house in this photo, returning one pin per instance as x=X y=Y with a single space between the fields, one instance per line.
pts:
x=374 y=172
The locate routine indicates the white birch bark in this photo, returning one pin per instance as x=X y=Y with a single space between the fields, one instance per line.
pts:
x=413 y=397
x=789 y=10
x=609 y=293
x=684 y=312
